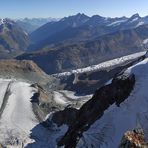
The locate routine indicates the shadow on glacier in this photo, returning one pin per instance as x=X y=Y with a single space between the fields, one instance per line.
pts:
x=45 y=135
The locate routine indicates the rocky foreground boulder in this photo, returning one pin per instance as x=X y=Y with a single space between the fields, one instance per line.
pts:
x=134 y=139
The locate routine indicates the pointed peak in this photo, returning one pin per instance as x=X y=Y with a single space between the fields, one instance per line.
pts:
x=80 y=15
x=97 y=16
x=135 y=16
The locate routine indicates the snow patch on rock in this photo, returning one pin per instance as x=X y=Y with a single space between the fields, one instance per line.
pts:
x=139 y=24
x=145 y=41
x=116 y=23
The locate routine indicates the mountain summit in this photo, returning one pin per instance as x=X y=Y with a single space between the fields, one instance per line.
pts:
x=12 y=37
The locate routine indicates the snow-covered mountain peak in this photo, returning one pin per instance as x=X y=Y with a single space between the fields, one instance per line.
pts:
x=135 y=16
x=76 y=20
x=6 y=21
x=1 y=21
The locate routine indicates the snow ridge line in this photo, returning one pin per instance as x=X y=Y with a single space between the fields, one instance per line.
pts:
x=68 y=99
x=6 y=97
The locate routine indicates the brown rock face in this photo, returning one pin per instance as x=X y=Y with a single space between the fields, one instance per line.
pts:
x=26 y=70
x=67 y=116
x=116 y=92
x=134 y=139
x=26 y=66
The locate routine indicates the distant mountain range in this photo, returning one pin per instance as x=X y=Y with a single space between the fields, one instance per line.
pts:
x=67 y=56
x=76 y=41
x=89 y=104
x=30 y=25
x=81 y=27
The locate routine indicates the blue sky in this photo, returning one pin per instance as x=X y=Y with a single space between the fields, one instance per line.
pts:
x=61 y=8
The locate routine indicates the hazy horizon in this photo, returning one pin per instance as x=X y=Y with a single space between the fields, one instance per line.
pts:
x=58 y=9
x=68 y=16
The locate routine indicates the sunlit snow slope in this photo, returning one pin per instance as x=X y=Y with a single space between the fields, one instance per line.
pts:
x=19 y=126
x=107 y=132
x=16 y=115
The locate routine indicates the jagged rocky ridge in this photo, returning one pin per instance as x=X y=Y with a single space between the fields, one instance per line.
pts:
x=116 y=92
x=98 y=123
x=82 y=27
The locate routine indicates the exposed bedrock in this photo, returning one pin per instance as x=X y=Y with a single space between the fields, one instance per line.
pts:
x=67 y=116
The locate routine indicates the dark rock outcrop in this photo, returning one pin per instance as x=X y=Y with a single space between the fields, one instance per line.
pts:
x=67 y=116
x=116 y=92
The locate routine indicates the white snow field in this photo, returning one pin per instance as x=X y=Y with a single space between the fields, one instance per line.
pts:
x=107 y=132
x=19 y=126
x=106 y=64
x=17 y=117
x=145 y=41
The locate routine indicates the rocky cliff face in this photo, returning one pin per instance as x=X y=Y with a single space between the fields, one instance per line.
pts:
x=116 y=92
